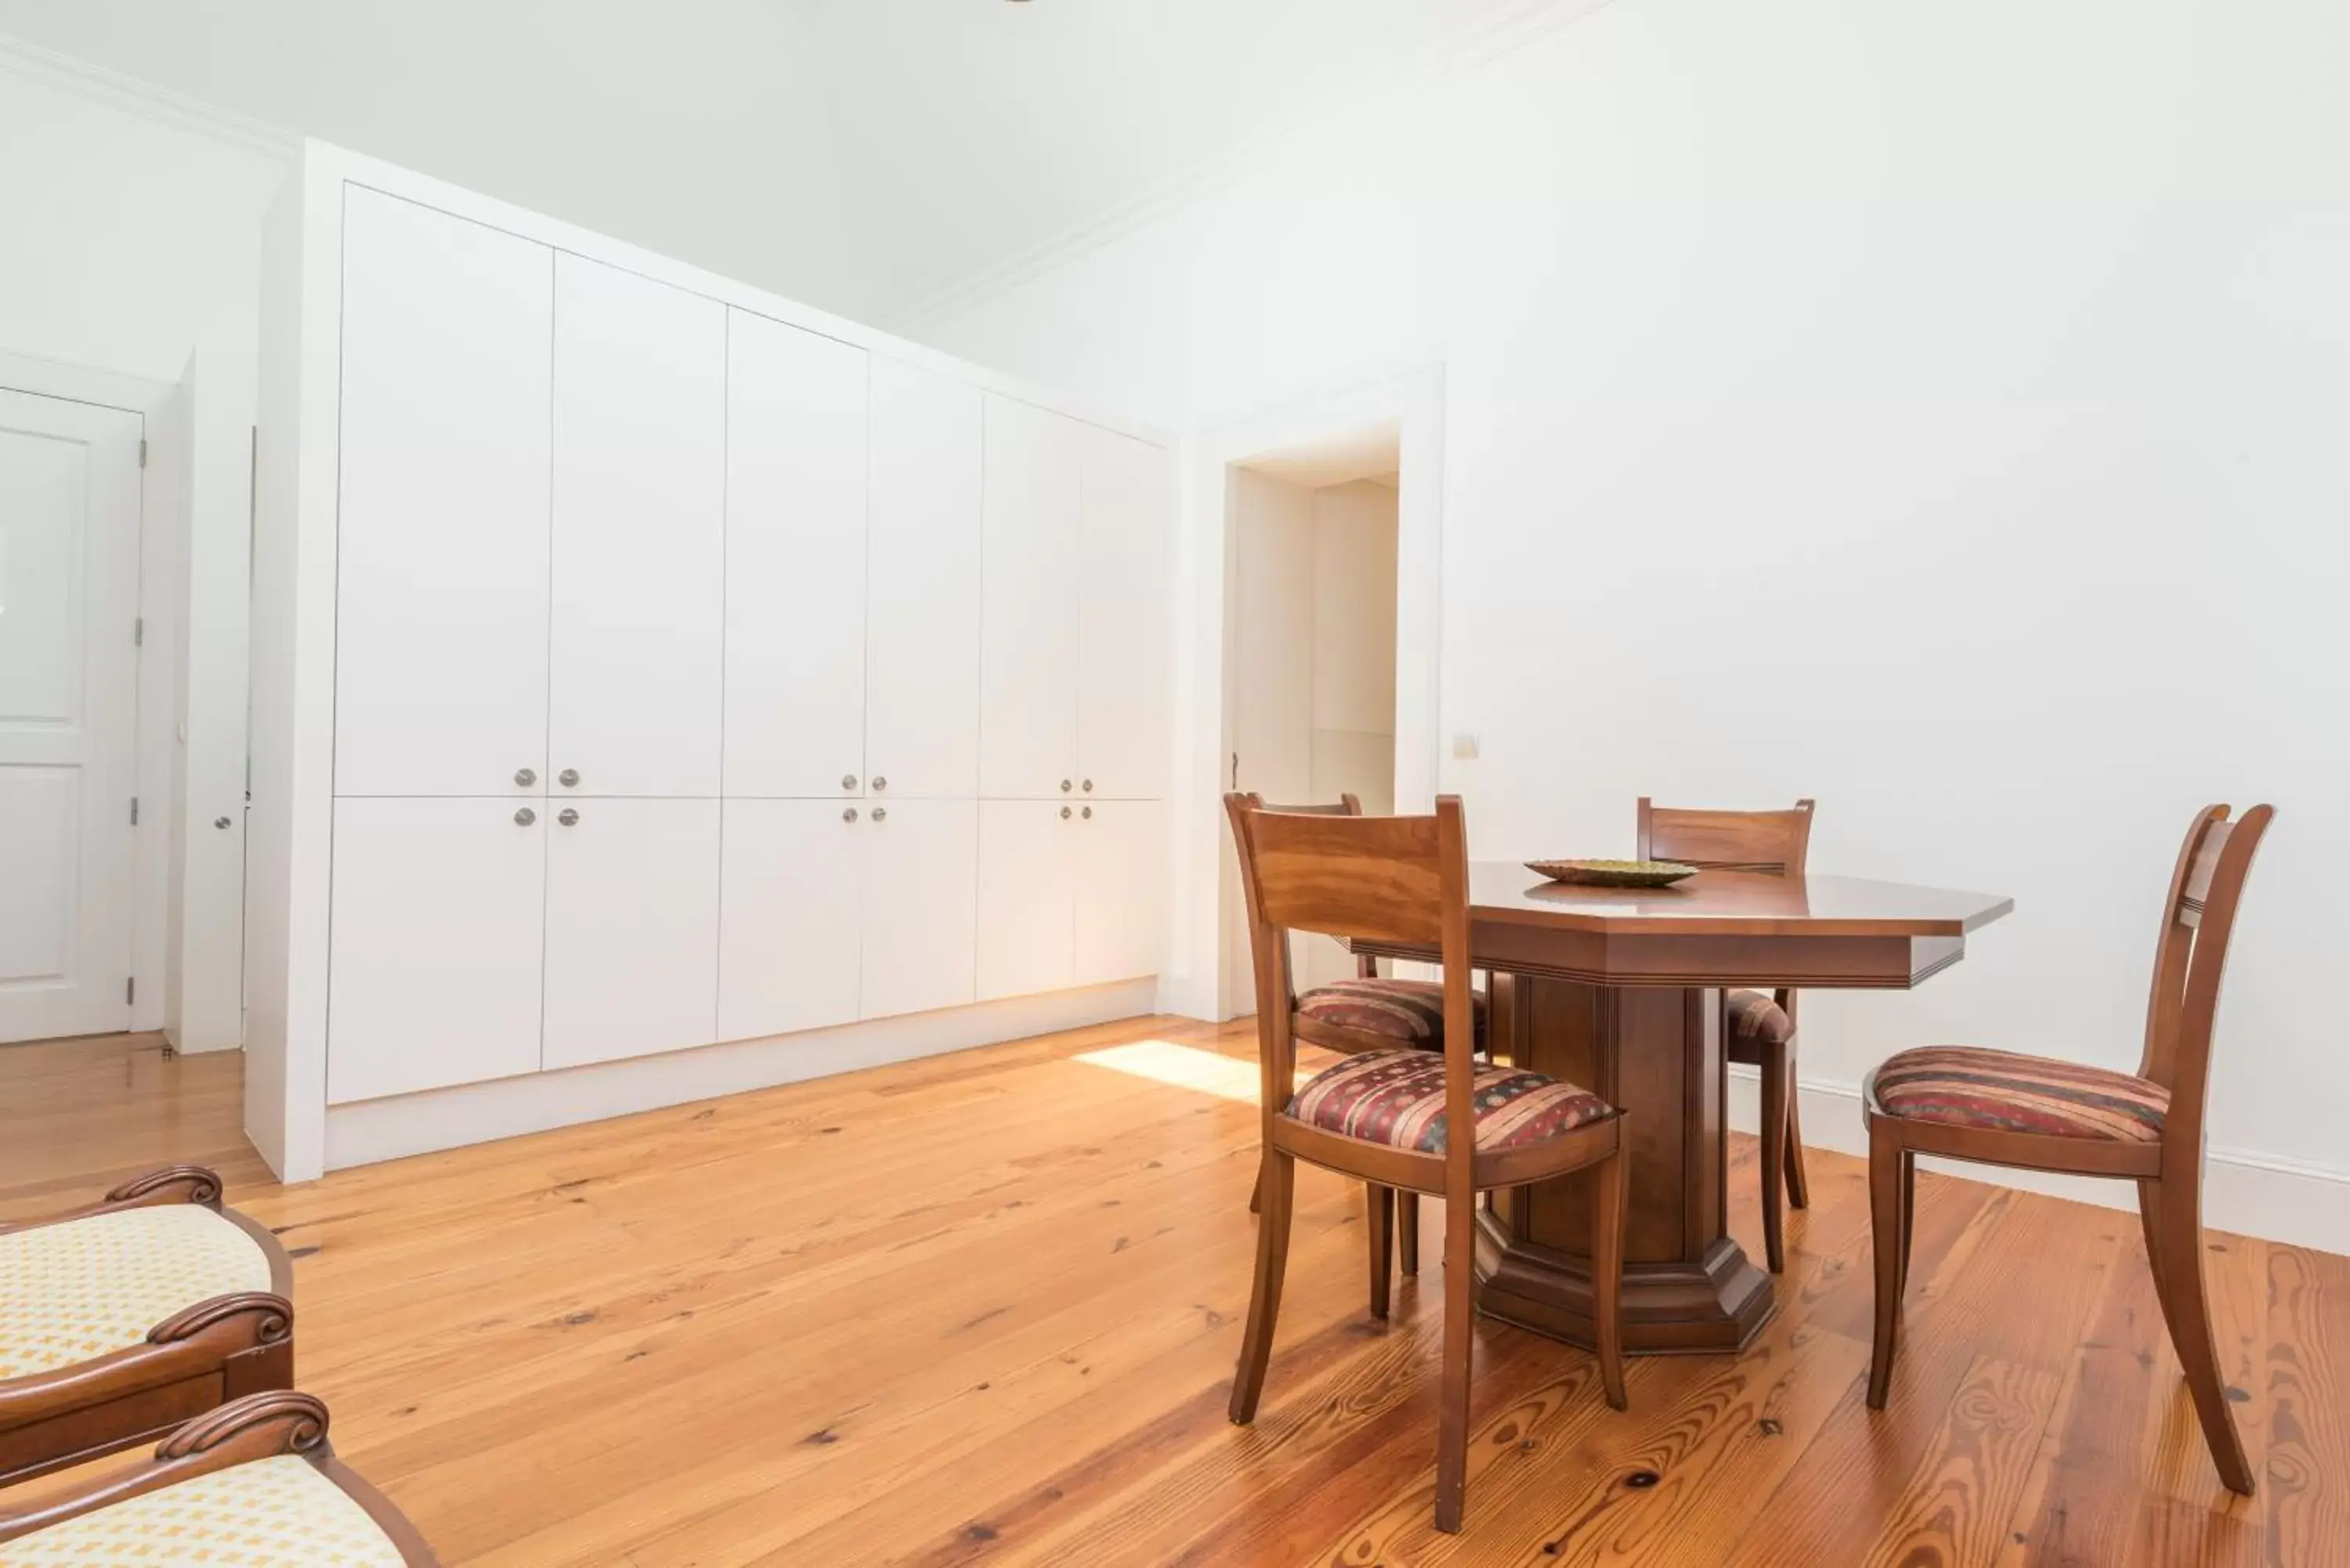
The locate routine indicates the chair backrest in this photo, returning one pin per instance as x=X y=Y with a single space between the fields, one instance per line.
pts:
x=1391 y=879
x=1773 y=843
x=1348 y=804
x=2191 y=954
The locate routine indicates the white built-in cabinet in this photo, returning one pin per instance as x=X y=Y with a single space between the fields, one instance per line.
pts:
x=702 y=677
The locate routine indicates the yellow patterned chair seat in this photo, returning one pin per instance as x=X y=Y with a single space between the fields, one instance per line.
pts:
x=279 y=1512
x=72 y=1291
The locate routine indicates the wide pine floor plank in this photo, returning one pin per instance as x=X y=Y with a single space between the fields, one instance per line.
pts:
x=983 y=1309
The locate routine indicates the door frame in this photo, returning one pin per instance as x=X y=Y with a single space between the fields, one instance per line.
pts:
x=1412 y=397
x=162 y=534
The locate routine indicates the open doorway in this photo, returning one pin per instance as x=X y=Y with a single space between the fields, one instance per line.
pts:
x=1310 y=647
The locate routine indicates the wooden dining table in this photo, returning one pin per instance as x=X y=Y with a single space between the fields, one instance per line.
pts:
x=1620 y=989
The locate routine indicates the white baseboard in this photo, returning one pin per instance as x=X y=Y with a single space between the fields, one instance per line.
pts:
x=2250 y=1194
x=370 y=1130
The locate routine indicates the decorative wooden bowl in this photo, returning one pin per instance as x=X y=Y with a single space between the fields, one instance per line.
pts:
x=1614 y=873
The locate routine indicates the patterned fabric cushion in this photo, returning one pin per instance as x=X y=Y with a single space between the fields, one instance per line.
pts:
x=277 y=1512
x=1965 y=1086
x=1754 y=1016
x=1397 y=1097
x=73 y=1291
x=1407 y=1011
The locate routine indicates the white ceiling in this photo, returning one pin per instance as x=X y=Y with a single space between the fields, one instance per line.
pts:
x=868 y=156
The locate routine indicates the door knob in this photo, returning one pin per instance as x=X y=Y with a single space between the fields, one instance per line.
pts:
x=567 y=777
x=568 y=817
x=880 y=814
x=1089 y=813
x=848 y=781
x=879 y=783
x=1089 y=786
x=221 y=822
x=525 y=777
x=526 y=816
x=1065 y=814
x=849 y=815
x=1065 y=786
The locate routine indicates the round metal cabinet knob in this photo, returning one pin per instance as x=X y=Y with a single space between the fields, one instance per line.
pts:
x=1089 y=813
x=568 y=817
x=567 y=777
x=1065 y=786
x=880 y=814
x=879 y=783
x=525 y=777
x=526 y=816
x=848 y=781
x=1065 y=814
x=1089 y=786
x=848 y=813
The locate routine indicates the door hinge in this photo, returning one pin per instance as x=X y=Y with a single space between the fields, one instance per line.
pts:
x=130 y=990
x=134 y=810
x=139 y=632
x=142 y=452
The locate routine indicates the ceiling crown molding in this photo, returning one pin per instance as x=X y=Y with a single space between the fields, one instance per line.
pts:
x=1523 y=23
x=31 y=62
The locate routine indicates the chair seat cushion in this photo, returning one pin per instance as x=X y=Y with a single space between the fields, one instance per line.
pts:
x=1407 y=1011
x=72 y=1291
x=1397 y=1097
x=1754 y=1016
x=278 y=1512
x=1966 y=1085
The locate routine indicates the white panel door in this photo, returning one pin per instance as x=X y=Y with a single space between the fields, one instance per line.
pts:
x=791 y=895
x=631 y=928
x=441 y=622
x=922 y=592
x=1121 y=891
x=1028 y=619
x=438 y=915
x=636 y=639
x=69 y=708
x=1125 y=622
x=1028 y=856
x=921 y=874
x=796 y=475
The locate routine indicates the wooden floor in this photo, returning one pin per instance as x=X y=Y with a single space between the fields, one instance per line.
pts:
x=984 y=1310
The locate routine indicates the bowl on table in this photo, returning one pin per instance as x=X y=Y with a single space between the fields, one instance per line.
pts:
x=1613 y=873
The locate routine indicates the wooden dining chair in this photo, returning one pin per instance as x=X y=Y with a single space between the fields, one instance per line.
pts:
x=2000 y=1108
x=1758 y=1030
x=1369 y=1011
x=1403 y=1119
x=123 y=1318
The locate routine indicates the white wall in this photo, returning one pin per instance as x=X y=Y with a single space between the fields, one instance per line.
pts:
x=1936 y=409
x=134 y=243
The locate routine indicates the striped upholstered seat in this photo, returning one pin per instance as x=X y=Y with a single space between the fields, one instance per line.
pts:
x=1966 y=1085
x=1754 y=1021
x=1407 y=1011
x=1397 y=1097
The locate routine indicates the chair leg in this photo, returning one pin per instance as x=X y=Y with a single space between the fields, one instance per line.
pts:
x=1908 y=1212
x=1774 y=1153
x=1452 y=1407
x=1609 y=1192
x=2179 y=1221
x=1885 y=1159
x=2149 y=1203
x=1799 y=1184
x=1408 y=1230
x=1379 y=1218
x=1256 y=1193
x=1265 y=1298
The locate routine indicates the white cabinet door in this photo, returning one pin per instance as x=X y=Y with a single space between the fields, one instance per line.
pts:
x=441 y=626
x=1028 y=619
x=1027 y=855
x=636 y=639
x=1124 y=619
x=631 y=928
x=923 y=593
x=795 y=466
x=921 y=874
x=1121 y=891
x=791 y=892
x=434 y=972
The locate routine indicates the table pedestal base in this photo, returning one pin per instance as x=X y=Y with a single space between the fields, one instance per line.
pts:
x=1657 y=1052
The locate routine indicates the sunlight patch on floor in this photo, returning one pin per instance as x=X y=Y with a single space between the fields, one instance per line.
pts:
x=1185 y=1067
